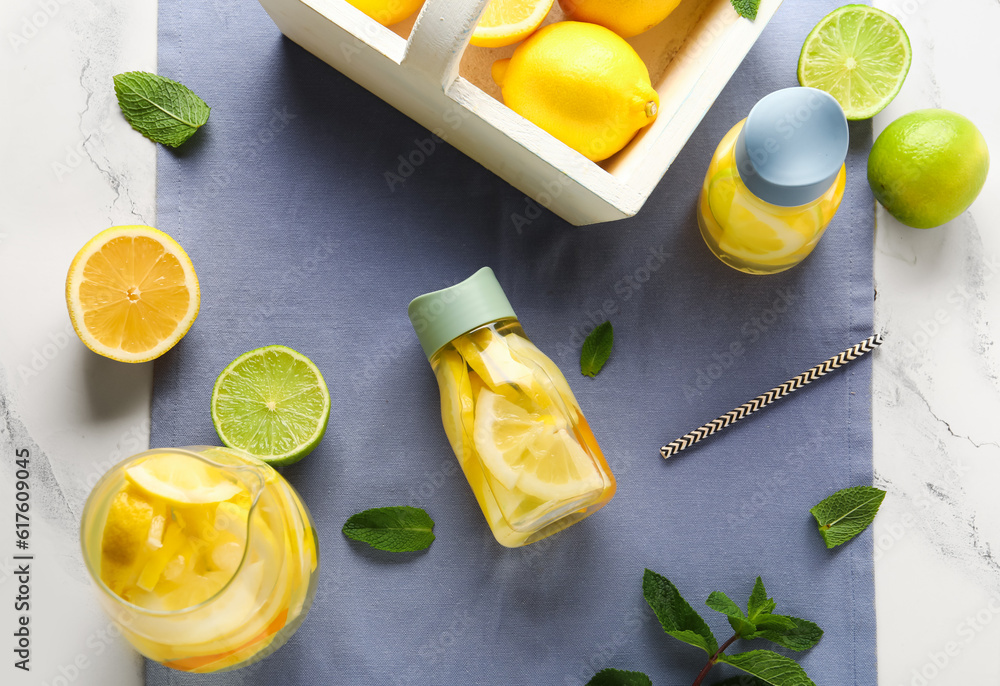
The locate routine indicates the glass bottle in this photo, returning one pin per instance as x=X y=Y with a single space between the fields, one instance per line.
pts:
x=775 y=181
x=205 y=558
x=510 y=416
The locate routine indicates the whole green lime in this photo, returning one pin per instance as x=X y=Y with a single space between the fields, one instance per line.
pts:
x=928 y=166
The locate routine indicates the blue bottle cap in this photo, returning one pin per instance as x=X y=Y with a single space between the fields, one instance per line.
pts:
x=792 y=146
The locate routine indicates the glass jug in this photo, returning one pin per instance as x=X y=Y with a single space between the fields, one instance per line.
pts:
x=205 y=558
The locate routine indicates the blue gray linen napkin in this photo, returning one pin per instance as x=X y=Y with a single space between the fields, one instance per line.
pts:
x=283 y=204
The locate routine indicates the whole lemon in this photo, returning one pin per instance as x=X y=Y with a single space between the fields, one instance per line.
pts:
x=583 y=84
x=624 y=17
x=928 y=166
x=387 y=12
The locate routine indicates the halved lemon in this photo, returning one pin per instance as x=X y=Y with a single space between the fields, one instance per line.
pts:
x=132 y=293
x=505 y=22
x=181 y=480
x=534 y=453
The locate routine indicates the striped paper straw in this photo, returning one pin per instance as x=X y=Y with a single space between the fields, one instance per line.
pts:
x=748 y=408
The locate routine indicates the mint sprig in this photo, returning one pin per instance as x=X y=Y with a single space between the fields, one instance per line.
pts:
x=597 y=349
x=746 y=8
x=616 y=677
x=769 y=667
x=676 y=615
x=764 y=667
x=847 y=513
x=162 y=110
x=393 y=529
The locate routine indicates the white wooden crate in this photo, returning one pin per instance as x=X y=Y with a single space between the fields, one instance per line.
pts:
x=427 y=69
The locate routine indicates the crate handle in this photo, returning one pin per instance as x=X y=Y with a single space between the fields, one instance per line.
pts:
x=439 y=38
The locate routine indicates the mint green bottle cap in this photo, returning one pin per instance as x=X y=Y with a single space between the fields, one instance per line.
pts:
x=441 y=316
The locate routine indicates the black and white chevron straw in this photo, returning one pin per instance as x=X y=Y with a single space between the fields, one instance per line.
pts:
x=748 y=408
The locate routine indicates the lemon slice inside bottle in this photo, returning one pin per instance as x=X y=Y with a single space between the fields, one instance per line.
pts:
x=532 y=452
x=489 y=356
x=456 y=400
x=181 y=480
x=749 y=233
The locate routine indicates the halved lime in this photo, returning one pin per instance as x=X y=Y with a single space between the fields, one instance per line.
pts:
x=272 y=403
x=858 y=54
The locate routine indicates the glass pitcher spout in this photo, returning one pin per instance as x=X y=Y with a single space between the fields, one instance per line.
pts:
x=250 y=472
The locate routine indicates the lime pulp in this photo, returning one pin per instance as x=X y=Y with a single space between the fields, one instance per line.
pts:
x=858 y=54
x=272 y=403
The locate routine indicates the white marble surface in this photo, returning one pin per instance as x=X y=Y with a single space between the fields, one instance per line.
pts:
x=936 y=400
x=72 y=167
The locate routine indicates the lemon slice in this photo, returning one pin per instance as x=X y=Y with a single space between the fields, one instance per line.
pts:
x=751 y=234
x=132 y=293
x=533 y=453
x=456 y=400
x=126 y=529
x=505 y=22
x=173 y=539
x=548 y=375
x=489 y=356
x=181 y=480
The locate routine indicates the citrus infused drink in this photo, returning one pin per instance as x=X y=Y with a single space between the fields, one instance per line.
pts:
x=511 y=418
x=206 y=558
x=522 y=441
x=775 y=182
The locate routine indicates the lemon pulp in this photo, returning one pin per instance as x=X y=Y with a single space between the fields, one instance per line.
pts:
x=505 y=22
x=132 y=293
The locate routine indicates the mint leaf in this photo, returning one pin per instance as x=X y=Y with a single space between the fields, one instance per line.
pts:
x=774 y=623
x=162 y=110
x=759 y=603
x=720 y=602
x=395 y=529
x=676 y=616
x=597 y=349
x=746 y=8
x=803 y=636
x=769 y=667
x=616 y=677
x=847 y=513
